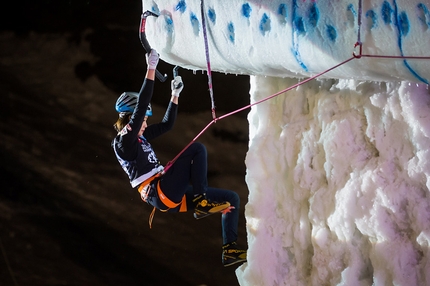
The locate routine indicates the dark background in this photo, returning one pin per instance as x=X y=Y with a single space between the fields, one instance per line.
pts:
x=68 y=215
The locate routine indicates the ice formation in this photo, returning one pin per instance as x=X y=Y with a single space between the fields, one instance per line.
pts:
x=338 y=169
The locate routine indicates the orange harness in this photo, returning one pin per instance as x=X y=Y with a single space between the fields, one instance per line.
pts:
x=144 y=189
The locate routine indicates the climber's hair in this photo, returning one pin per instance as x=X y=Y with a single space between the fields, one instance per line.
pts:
x=123 y=120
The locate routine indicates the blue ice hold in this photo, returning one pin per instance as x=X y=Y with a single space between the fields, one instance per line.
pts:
x=155 y=9
x=195 y=24
x=169 y=25
x=298 y=28
x=230 y=29
x=297 y=21
x=373 y=19
x=246 y=10
x=298 y=25
x=352 y=11
x=212 y=15
x=424 y=15
x=351 y=14
x=403 y=23
x=331 y=33
x=314 y=15
x=181 y=6
x=386 y=12
x=264 y=24
x=282 y=11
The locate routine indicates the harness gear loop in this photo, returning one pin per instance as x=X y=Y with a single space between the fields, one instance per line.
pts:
x=144 y=189
x=145 y=186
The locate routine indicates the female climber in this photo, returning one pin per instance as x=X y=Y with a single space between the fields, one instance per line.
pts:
x=171 y=191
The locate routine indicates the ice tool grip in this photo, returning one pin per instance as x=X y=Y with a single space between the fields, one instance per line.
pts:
x=175 y=74
x=145 y=42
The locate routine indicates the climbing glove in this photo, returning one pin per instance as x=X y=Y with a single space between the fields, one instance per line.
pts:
x=152 y=59
x=177 y=85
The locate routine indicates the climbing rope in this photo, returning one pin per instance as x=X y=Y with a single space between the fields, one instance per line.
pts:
x=169 y=164
x=361 y=55
x=208 y=63
x=354 y=56
x=359 y=21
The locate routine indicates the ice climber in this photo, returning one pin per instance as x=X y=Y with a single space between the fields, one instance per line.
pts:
x=183 y=186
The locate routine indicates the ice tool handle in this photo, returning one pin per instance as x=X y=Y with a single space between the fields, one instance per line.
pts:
x=175 y=74
x=145 y=43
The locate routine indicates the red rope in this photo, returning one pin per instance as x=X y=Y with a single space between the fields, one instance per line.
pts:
x=359 y=21
x=361 y=55
x=395 y=57
x=169 y=164
x=208 y=62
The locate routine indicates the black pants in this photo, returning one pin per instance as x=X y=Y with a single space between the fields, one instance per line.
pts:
x=191 y=168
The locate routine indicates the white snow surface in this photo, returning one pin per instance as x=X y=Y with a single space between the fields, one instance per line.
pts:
x=298 y=38
x=338 y=173
x=338 y=169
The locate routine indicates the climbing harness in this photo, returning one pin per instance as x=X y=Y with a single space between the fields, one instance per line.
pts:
x=145 y=43
x=208 y=62
x=153 y=183
x=145 y=186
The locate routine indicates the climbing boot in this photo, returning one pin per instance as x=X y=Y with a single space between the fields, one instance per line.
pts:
x=232 y=254
x=203 y=207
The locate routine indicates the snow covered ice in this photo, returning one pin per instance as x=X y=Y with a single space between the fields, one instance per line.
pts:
x=338 y=169
x=348 y=202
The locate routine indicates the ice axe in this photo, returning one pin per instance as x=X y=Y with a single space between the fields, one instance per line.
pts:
x=175 y=74
x=145 y=43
